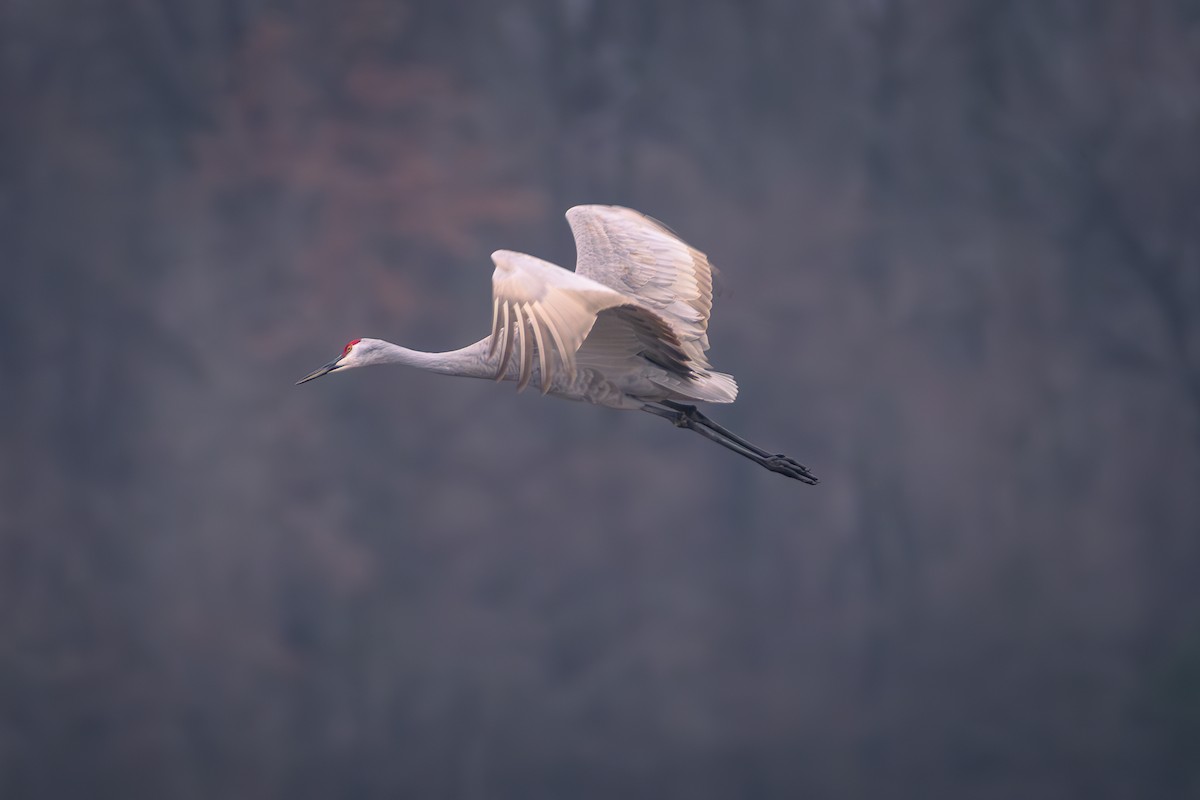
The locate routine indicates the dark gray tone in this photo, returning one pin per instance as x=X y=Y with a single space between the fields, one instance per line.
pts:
x=960 y=245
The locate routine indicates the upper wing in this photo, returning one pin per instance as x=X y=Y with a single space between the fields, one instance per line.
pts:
x=541 y=306
x=639 y=256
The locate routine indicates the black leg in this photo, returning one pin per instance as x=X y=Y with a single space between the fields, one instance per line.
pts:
x=689 y=417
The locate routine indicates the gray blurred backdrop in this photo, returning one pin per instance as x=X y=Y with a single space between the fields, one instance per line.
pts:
x=960 y=254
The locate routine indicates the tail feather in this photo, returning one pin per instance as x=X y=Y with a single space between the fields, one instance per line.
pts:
x=708 y=387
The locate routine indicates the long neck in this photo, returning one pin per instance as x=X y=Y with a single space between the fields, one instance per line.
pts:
x=470 y=361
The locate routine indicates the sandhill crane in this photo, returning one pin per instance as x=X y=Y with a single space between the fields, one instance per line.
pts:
x=627 y=329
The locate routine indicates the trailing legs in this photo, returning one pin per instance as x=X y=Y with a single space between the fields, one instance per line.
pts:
x=685 y=416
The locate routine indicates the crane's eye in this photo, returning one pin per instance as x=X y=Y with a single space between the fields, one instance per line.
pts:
x=349 y=346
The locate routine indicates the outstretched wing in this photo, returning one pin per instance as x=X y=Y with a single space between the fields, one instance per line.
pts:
x=640 y=257
x=541 y=307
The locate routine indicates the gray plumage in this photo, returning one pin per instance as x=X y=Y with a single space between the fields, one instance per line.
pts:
x=627 y=329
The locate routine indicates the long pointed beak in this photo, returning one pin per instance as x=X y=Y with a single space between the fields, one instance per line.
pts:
x=325 y=370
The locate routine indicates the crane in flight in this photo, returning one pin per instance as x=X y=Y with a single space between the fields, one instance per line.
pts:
x=627 y=329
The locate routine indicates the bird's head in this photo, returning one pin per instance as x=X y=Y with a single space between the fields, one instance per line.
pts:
x=356 y=353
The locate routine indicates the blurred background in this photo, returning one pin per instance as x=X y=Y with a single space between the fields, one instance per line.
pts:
x=960 y=254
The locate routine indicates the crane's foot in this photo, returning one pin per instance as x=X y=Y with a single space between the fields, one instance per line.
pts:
x=790 y=467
